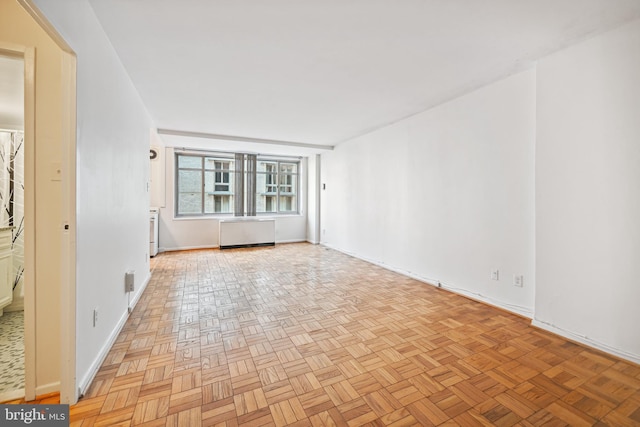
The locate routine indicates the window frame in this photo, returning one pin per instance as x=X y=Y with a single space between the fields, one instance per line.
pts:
x=230 y=157
x=215 y=156
x=295 y=183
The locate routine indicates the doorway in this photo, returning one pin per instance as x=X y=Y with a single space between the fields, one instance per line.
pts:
x=12 y=215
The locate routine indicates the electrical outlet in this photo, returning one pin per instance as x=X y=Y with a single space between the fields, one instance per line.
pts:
x=95 y=317
x=495 y=274
x=518 y=280
x=129 y=281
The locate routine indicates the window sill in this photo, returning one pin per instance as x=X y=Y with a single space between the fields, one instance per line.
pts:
x=228 y=217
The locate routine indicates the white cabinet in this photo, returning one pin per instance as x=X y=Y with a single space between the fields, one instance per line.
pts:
x=6 y=268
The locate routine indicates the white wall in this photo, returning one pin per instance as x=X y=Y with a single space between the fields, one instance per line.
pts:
x=112 y=174
x=587 y=192
x=197 y=233
x=446 y=195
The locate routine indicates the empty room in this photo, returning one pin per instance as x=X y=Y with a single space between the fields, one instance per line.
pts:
x=307 y=213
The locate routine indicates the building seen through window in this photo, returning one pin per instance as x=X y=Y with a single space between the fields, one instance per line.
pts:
x=205 y=185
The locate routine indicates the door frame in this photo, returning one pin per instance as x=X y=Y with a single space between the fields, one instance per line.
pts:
x=68 y=384
x=67 y=303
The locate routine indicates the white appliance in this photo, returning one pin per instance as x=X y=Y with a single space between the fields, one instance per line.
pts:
x=153 y=231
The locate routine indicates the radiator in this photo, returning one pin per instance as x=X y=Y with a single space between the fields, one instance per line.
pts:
x=236 y=233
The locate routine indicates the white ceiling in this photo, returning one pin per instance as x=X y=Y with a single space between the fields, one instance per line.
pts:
x=321 y=72
x=11 y=93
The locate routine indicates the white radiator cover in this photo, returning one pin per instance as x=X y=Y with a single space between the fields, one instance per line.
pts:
x=237 y=232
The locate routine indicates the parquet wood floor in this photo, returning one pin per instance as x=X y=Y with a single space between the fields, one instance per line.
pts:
x=306 y=336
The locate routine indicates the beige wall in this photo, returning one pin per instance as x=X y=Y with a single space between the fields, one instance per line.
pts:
x=18 y=28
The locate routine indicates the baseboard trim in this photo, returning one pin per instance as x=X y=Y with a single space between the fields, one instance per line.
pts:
x=190 y=248
x=104 y=351
x=513 y=309
x=581 y=339
x=86 y=381
x=6 y=396
x=137 y=296
x=187 y=248
x=16 y=305
x=53 y=387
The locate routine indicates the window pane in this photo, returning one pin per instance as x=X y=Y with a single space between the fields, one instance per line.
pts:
x=190 y=181
x=288 y=168
x=288 y=204
x=214 y=203
x=193 y=162
x=266 y=183
x=211 y=163
x=189 y=192
x=218 y=196
x=264 y=166
x=266 y=203
x=288 y=185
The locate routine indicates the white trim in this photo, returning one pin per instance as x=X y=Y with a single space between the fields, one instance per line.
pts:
x=189 y=134
x=11 y=395
x=518 y=310
x=45 y=25
x=30 y=279
x=187 y=248
x=190 y=248
x=15 y=306
x=137 y=296
x=635 y=358
x=85 y=382
x=48 y=388
x=68 y=344
x=290 y=241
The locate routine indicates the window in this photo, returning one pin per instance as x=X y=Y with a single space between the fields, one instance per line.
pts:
x=205 y=184
x=277 y=186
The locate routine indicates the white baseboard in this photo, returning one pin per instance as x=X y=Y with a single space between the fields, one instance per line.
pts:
x=85 y=382
x=11 y=395
x=48 y=388
x=187 y=248
x=137 y=296
x=104 y=351
x=520 y=311
x=53 y=387
x=517 y=310
x=16 y=305
x=586 y=341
